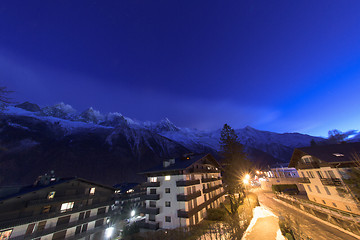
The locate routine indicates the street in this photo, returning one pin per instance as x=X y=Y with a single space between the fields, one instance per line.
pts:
x=308 y=225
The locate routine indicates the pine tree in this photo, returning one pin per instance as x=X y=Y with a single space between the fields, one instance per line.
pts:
x=234 y=159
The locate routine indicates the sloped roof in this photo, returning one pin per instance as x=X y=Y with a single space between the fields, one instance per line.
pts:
x=181 y=164
x=32 y=188
x=334 y=153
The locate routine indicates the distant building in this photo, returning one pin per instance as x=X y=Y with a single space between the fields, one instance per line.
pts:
x=51 y=208
x=180 y=191
x=280 y=176
x=129 y=197
x=323 y=169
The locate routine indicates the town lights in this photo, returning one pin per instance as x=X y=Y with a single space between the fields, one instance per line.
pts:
x=109 y=231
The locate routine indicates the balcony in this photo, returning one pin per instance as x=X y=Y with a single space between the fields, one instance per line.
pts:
x=151 y=197
x=304 y=180
x=151 y=210
x=152 y=184
x=331 y=182
x=188 y=197
x=206 y=180
x=148 y=225
x=191 y=212
x=207 y=190
x=185 y=183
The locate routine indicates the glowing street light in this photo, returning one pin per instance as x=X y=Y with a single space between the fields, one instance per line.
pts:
x=132 y=213
x=246 y=181
x=109 y=231
x=247 y=177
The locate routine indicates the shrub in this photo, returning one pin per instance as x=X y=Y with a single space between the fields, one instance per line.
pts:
x=216 y=214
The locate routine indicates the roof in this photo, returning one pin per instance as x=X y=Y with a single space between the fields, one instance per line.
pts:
x=18 y=191
x=124 y=187
x=181 y=164
x=334 y=153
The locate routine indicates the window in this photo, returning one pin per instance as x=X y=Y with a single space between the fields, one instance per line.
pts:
x=51 y=195
x=327 y=191
x=59 y=235
x=30 y=229
x=167 y=219
x=167 y=204
x=5 y=235
x=152 y=204
x=307 y=159
x=66 y=206
x=153 y=179
x=152 y=217
x=314 y=199
x=323 y=201
x=78 y=230
x=347 y=207
x=331 y=174
x=320 y=174
x=153 y=191
x=41 y=226
x=46 y=209
x=167 y=178
x=334 y=204
x=99 y=222
x=309 y=188
x=92 y=191
x=63 y=220
x=87 y=214
x=302 y=174
x=84 y=227
x=310 y=174
x=317 y=189
x=101 y=210
x=81 y=216
x=167 y=190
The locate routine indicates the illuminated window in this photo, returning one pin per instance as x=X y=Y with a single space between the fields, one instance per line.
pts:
x=92 y=191
x=5 y=235
x=46 y=209
x=66 y=206
x=153 y=179
x=167 y=178
x=51 y=195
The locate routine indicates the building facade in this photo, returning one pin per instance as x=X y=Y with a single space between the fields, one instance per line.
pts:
x=128 y=198
x=280 y=176
x=180 y=191
x=51 y=208
x=323 y=169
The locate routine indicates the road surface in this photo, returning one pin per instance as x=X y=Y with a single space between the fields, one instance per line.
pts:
x=311 y=227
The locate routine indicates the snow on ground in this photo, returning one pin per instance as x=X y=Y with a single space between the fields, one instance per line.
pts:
x=261 y=212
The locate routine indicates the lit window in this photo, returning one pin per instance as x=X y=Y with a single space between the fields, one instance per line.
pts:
x=153 y=179
x=167 y=178
x=92 y=191
x=46 y=209
x=5 y=235
x=51 y=195
x=66 y=206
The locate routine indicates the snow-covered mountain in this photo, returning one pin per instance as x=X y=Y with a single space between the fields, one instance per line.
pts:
x=59 y=137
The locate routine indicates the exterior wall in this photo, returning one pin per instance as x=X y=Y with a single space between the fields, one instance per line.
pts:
x=277 y=176
x=332 y=198
x=176 y=205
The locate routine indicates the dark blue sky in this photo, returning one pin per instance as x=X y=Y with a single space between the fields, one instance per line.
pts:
x=274 y=65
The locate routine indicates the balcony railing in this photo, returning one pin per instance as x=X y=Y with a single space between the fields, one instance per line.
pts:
x=188 y=197
x=206 y=180
x=191 y=212
x=151 y=210
x=331 y=182
x=152 y=184
x=151 y=197
x=185 y=183
x=301 y=165
x=304 y=180
x=148 y=225
x=207 y=190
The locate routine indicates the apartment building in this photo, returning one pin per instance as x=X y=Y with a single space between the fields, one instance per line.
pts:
x=128 y=198
x=281 y=176
x=181 y=190
x=53 y=208
x=322 y=170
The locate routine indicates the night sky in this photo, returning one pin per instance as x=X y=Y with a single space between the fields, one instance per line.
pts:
x=280 y=66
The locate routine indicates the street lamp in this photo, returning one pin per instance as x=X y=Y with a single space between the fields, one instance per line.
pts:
x=108 y=232
x=132 y=213
x=246 y=183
